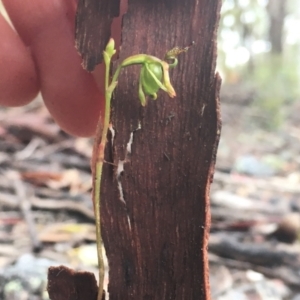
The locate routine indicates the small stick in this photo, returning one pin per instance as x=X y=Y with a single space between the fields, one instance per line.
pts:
x=25 y=207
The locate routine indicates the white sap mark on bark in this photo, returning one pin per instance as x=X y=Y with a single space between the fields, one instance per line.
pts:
x=128 y=147
x=120 y=167
x=113 y=133
x=202 y=110
x=120 y=170
x=129 y=222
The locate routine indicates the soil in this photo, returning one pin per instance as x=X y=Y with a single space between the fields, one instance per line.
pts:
x=46 y=213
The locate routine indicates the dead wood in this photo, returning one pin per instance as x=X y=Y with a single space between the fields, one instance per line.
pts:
x=66 y=284
x=9 y=200
x=93 y=22
x=156 y=236
x=263 y=255
x=156 y=239
x=25 y=205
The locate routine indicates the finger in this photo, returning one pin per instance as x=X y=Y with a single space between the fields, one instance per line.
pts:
x=69 y=92
x=18 y=78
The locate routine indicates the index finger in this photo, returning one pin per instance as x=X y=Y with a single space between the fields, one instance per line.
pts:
x=70 y=93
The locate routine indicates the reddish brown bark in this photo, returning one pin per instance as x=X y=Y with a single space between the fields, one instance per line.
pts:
x=93 y=23
x=166 y=180
x=156 y=239
x=66 y=284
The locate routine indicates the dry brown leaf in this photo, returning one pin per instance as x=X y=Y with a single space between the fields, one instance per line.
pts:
x=40 y=178
x=63 y=232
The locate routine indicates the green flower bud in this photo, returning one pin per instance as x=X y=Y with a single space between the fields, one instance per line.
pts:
x=110 y=48
x=154 y=75
x=149 y=83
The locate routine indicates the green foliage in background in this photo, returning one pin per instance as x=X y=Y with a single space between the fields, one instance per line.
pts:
x=275 y=79
x=246 y=57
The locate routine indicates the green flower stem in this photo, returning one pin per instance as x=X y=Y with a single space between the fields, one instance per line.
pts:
x=99 y=160
x=174 y=64
x=100 y=150
x=99 y=165
x=98 y=176
x=138 y=59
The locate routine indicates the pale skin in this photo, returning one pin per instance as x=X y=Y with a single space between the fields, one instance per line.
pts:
x=39 y=55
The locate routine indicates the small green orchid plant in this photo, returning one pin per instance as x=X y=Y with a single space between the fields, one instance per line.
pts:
x=154 y=75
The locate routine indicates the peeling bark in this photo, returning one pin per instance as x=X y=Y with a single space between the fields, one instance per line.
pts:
x=156 y=232
x=93 y=23
x=67 y=284
x=156 y=241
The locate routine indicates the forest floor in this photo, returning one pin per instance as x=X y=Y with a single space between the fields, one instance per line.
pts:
x=46 y=213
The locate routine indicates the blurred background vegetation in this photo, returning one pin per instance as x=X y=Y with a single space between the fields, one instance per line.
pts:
x=259 y=52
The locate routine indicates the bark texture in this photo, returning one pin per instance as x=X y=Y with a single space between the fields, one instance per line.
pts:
x=155 y=214
x=156 y=239
x=93 y=23
x=67 y=284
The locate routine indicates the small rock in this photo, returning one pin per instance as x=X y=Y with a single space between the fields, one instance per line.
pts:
x=252 y=165
x=288 y=229
x=26 y=279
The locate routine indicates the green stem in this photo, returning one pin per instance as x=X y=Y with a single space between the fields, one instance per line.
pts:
x=117 y=73
x=97 y=190
x=174 y=64
x=98 y=177
x=98 y=228
x=99 y=168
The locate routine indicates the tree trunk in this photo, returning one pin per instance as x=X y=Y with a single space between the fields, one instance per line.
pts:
x=156 y=230
x=277 y=11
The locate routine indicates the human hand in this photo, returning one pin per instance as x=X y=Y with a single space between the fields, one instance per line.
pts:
x=42 y=56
